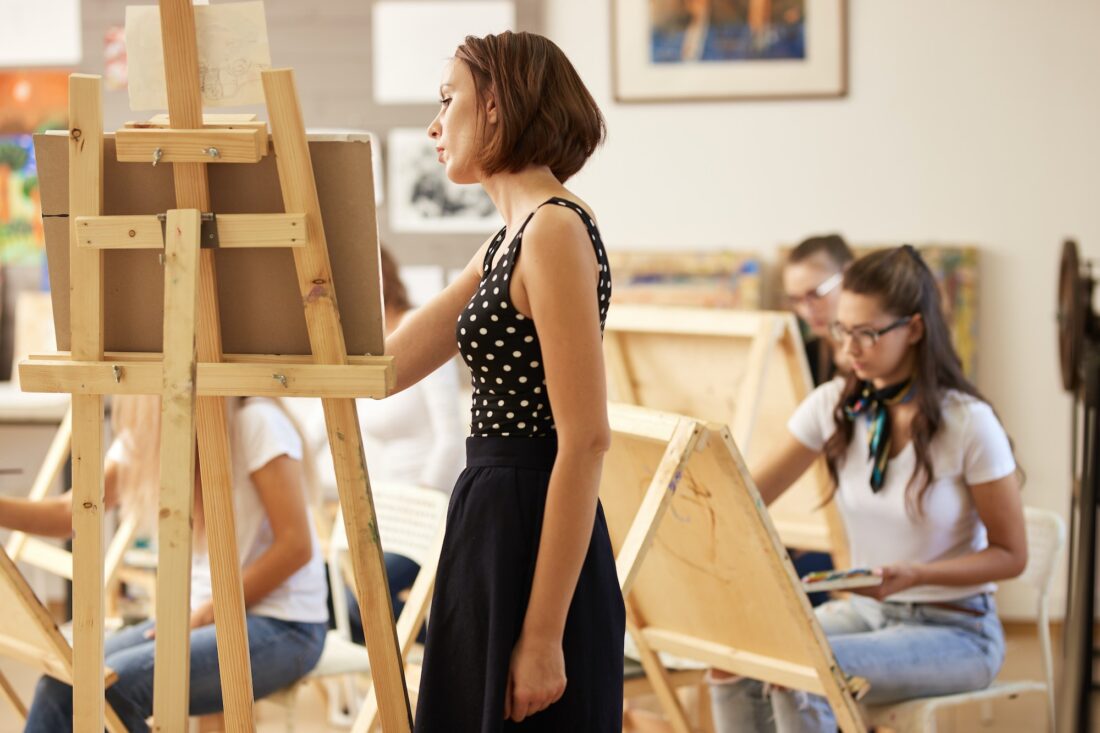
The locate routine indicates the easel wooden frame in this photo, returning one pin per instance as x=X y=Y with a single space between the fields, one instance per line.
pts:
x=744 y=369
x=702 y=567
x=31 y=637
x=193 y=376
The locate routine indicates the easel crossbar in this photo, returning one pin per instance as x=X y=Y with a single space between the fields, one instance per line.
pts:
x=756 y=666
x=213 y=379
x=224 y=231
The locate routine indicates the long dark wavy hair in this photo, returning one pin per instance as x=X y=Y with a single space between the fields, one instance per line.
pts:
x=904 y=286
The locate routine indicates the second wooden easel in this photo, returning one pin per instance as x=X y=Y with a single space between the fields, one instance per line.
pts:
x=744 y=369
x=193 y=377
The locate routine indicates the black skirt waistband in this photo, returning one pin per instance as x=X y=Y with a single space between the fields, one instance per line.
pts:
x=538 y=453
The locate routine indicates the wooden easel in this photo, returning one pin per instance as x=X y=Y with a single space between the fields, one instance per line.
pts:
x=30 y=636
x=702 y=569
x=193 y=376
x=744 y=369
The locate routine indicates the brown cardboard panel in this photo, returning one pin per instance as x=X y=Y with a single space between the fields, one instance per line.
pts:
x=261 y=309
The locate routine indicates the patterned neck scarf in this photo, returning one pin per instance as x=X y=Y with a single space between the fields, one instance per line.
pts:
x=874 y=403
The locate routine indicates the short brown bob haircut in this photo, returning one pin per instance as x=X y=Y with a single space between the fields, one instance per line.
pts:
x=546 y=116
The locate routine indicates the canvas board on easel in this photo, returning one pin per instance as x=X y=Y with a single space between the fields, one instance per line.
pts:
x=260 y=310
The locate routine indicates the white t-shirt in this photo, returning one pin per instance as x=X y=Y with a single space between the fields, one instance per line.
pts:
x=259 y=432
x=970 y=448
x=415 y=437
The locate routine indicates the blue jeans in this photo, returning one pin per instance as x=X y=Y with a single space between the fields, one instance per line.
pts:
x=401 y=573
x=282 y=652
x=904 y=650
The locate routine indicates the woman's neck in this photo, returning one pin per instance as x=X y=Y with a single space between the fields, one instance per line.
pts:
x=516 y=195
x=903 y=371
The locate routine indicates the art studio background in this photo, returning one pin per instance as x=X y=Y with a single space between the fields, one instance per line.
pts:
x=965 y=126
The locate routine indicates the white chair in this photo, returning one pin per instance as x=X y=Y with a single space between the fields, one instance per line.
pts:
x=1046 y=537
x=410 y=523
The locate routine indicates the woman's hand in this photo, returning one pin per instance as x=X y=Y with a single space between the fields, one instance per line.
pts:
x=895 y=579
x=536 y=678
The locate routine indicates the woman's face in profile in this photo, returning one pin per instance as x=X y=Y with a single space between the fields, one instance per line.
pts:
x=455 y=127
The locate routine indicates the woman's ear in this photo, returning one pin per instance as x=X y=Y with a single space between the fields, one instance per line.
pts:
x=490 y=109
x=916 y=329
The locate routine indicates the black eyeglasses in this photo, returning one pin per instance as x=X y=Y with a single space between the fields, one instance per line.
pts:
x=864 y=336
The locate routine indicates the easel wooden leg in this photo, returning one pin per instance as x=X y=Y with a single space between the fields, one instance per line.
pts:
x=408 y=627
x=750 y=392
x=193 y=191
x=88 y=608
x=365 y=549
x=327 y=342
x=86 y=320
x=657 y=675
x=225 y=566
x=172 y=673
x=655 y=502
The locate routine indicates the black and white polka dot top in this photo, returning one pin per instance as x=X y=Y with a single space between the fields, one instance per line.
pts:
x=501 y=347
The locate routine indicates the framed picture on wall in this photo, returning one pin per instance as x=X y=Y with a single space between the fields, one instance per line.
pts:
x=676 y=50
x=423 y=199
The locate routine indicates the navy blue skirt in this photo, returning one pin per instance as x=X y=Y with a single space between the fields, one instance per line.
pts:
x=484 y=582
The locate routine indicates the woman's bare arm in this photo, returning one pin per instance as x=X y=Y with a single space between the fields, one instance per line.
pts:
x=425 y=340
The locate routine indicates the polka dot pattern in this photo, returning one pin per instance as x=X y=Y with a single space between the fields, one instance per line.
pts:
x=501 y=345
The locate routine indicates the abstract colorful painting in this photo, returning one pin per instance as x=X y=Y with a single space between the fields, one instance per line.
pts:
x=21 y=238
x=698 y=279
x=956 y=269
x=30 y=101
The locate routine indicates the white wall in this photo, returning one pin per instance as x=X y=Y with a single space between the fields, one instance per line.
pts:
x=966 y=123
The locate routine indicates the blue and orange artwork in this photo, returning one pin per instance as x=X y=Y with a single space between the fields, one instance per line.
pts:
x=30 y=101
x=684 y=31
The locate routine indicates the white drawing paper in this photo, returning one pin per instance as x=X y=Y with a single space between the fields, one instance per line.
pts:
x=232 y=46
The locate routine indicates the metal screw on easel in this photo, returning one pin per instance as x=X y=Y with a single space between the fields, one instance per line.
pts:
x=157 y=155
x=212 y=152
x=281 y=379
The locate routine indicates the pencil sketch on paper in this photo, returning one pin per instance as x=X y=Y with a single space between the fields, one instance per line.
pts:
x=232 y=46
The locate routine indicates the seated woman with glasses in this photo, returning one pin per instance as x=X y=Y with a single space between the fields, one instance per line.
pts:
x=928 y=488
x=811 y=283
